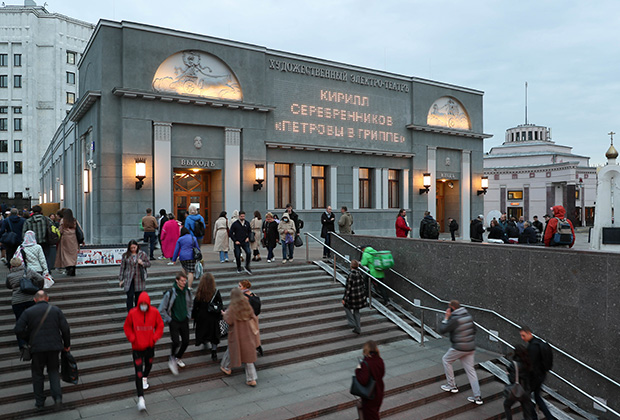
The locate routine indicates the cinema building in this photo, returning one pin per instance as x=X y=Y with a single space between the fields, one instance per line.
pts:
x=167 y=118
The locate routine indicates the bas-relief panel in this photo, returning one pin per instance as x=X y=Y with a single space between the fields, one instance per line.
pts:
x=448 y=112
x=197 y=73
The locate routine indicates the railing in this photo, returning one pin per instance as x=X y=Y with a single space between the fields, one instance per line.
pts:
x=423 y=308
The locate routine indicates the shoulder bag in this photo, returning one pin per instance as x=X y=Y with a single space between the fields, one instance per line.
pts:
x=367 y=391
x=26 y=285
x=213 y=307
x=26 y=354
x=252 y=236
x=9 y=237
x=514 y=391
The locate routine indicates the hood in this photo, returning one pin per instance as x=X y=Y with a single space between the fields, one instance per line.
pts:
x=14 y=218
x=236 y=214
x=29 y=238
x=429 y=217
x=559 y=211
x=144 y=298
x=194 y=217
x=288 y=218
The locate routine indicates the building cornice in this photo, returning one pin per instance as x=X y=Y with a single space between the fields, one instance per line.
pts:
x=448 y=131
x=539 y=168
x=332 y=149
x=83 y=105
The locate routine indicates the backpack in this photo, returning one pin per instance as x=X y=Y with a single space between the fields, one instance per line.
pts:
x=546 y=355
x=254 y=303
x=564 y=234
x=383 y=260
x=199 y=229
x=432 y=229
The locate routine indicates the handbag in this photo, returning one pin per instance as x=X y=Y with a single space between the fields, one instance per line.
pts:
x=298 y=241
x=27 y=286
x=514 y=391
x=26 y=354
x=223 y=328
x=9 y=237
x=365 y=391
x=213 y=308
x=79 y=233
x=252 y=236
x=197 y=254
x=69 y=370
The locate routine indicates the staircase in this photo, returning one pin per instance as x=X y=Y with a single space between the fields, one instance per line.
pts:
x=303 y=329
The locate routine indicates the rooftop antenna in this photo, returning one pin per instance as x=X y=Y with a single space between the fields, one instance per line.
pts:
x=525 y=103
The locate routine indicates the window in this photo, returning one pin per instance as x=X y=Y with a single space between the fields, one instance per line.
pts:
x=4 y=194
x=4 y=146
x=515 y=195
x=17 y=167
x=17 y=81
x=17 y=146
x=393 y=189
x=4 y=109
x=70 y=78
x=16 y=110
x=4 y=60
x=17 y=124
x=4 y=81
x=4 y=124
x=17 y=60
x=282 y=174
x=4 y=167
x=364 y=179
x=70 y=98
x=71 y=57
x=318 y=187
x=19 y=195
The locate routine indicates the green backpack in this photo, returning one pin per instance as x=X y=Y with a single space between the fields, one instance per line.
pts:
x=383 y=260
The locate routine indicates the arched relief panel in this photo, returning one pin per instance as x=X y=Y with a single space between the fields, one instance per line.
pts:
x=197 y=73
x=448 y=112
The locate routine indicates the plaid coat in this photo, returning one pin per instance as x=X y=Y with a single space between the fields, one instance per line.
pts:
x=130 y=269
x=38 y=224
x=354 y=291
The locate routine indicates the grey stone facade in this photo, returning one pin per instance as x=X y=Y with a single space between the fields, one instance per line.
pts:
x=188 y=102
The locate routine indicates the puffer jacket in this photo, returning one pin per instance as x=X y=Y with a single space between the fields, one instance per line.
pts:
x=14 y=278
x=143 y=329
x=462 y=330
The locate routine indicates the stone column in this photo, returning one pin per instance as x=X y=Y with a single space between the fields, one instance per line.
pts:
x=271 y=185
x=432 y=168
x=162 y=166
x=307 y=186
x=404 y=203
x=356 y=188
x=466 y=192
x=299 y=187
x=384 y=187
x=232 y=170
x=333 y=187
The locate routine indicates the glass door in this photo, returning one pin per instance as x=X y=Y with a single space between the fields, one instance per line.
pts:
x=193 y=189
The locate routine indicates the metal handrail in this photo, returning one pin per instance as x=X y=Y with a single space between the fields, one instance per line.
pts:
x=595 y=400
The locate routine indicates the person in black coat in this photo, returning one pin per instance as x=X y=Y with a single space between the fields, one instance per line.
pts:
x=240 y=235
x=207 y=313
x=476 y=229
x=327 y=222
x=496 y=232
x=52 y=336
x=453 y=226
x=529 y=234
x=270 y=235
x=521 y=358
x=538 y=374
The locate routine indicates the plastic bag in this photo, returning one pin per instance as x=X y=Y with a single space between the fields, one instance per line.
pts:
x=48 y=281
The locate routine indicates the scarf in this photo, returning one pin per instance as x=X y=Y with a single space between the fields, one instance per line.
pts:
x=29 y=239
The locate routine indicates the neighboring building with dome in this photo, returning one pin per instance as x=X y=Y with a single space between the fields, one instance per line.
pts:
x=529 y=173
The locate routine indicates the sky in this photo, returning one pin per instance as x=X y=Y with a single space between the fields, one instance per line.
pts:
x=568 y=51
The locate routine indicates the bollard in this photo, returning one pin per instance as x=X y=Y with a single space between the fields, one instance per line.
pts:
x=422 y=325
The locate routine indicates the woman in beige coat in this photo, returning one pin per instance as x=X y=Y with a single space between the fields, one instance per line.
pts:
x=286 y=228
x=68 y=247
x=243 y=336
x=220 y=233
x=257 y=227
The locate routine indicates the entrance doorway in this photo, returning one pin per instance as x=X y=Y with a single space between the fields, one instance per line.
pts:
x=515 y=212
x=447 y=202
x=193 y=188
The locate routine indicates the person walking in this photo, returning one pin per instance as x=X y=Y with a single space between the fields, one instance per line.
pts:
x=184 y=251
x=256 y=226
x=271 y=235
x=345 y=223
x=429 y=228
x=149 y=224
x=243 y=337
x=69 y=245
x=34 y=257
x=294 y=217
x=195 y=223
x=132 y=277
x=327 y=226
x=40 y=224
x=459 y=323
x=368 y=258
x=161 y=220
x=143 y=328
x=522 y=361
x=11 y=233
x=170 y=232
x=453 y=226
x=240 y=235
x=559 y=216
x=221 y=238
x=175 y=310
x=286 y=229
x=255 y=303
x=46 y=329
x=354 y=297
x=371 y=366
x=402 y=227
x=535 y=351
x=21 y=301
x=207 y=313
x=476 y=229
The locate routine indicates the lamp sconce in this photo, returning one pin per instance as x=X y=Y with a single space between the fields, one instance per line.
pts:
x=259 y=173
x=427 y=184
x=86 y=181
x=140 y=172
x=484 y=184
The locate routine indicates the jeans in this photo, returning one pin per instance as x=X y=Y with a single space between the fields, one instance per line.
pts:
x=250 y=369
x=142 y=363
x=246 y=248
x=18 y=310
x=269 y=253
x=326 y=252
x=223 y=256
x=287 y=249
x=467 y=359
x=353 y=319
x=151 y=237
x=179 y=328
x=132 y=297
x=39 y=362
x=539 y=401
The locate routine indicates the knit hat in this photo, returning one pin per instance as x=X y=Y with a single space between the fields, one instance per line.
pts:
x=16 y=262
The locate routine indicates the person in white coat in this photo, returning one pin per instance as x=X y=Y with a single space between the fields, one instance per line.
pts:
x=33 y=253
x=220 y=235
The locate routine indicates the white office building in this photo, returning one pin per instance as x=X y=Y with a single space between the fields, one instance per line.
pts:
x=39 y=52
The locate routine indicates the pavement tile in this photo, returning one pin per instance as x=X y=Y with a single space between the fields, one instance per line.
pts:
x=108 y=407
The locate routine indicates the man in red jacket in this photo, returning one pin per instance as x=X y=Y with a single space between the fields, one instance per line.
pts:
x=402 y=228
x=143 y=328
x=559 y=213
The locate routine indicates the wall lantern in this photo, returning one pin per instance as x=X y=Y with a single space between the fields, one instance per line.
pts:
x=86 y=181
x=484 y=184
x=140 y=172
x=62 y=192
x=51 y=199
x=260 y=177
x=427 y=183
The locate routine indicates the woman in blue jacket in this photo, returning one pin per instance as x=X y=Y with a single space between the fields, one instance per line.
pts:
x=184 y=251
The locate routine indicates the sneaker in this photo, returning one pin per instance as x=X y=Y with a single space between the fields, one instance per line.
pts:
x=151 y=258
x=449 y=388
x=222 y=261
x=180 y=363
x=239 y=271
x=161 y=257
x=141 y=404
x=170 y=263
x=3 y=260
x=145 y=383
x=247 y=270
x=226 y=260
x=172 y=365
x=290 y=260
x=475 y=400
x=283 y=261
x=268 y=261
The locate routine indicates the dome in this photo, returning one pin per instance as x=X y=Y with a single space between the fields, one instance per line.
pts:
x=612 y=153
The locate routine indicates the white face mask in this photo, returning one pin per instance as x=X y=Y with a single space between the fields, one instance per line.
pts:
x=144 y=307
